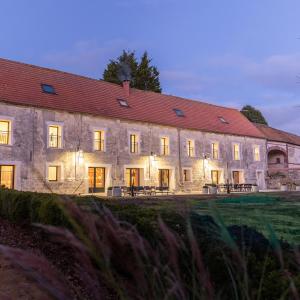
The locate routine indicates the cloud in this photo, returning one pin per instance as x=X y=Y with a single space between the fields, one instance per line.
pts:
x=86 y=57
x=285 y=117
x=276 y=71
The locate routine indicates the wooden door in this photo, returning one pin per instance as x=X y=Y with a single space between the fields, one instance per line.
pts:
x=164 y=178
x=236 y=177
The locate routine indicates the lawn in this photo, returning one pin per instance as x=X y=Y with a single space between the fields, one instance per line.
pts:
x=277 y=213
x=266 y=213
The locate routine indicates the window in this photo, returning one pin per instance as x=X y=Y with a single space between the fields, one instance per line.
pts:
x=215 y=150
x=190 y=148
x=215 y=177
x=134 y=145
x=223 y=120
x=278 y=160
x=47 y=88
x=53 y=173
x=178 y=112
x=236 y=152
x=123 y=102
x=7 y=175
x=54 y=136
x=187 y=175
x=99 y=140
x=164 y=146
x=256 y=153
x=5 y=137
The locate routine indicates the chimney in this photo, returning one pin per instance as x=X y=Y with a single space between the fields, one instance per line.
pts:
x=126 y=87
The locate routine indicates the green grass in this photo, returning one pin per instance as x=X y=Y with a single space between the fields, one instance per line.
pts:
x=259 y=212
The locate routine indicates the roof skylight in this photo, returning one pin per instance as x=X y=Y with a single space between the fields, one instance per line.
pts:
x=123 y=102
x=47 y=88
x=223 y=120
x=178 y=112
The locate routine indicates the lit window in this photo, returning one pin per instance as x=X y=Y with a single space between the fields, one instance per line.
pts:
x=134 y=145
x=47 y=88
x=53 y=173
x=215 y=177
x=7 y=174
x=215 y=150
x=236 y=152
x=256 y=153
x=178 y=112
x=187 y=175
x=99 y=140
x=123 y=102
x=190 y=148
x=164 y=146
x=5 y=138
x=223 y=120
x=54 y=136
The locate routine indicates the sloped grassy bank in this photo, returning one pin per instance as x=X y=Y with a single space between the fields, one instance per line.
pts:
x=160 y=249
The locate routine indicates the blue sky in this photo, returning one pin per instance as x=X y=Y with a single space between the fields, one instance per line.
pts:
x=231 y=52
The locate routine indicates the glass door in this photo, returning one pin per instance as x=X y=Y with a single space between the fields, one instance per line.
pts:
x=164 y=178
x=96 y=180
x=132 y=177
x=215 y=177
x=7 y=175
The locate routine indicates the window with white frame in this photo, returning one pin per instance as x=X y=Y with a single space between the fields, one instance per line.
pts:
x=236 y=152
x=256 y=151
x=215 y=150
x=164 y=146
x=53 y=173
x=54 y=136
x=99 y=140
x=190 y=147
x=187 y=175
x=5 y=132
x=133 y=143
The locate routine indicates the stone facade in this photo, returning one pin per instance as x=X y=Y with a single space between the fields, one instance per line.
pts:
x=283 y=164
x=31 y=157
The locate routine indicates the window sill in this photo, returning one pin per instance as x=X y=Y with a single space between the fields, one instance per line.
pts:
x=55 y=148
x=6 y=145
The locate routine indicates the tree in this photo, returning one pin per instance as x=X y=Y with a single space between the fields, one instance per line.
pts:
x=142 y=75
x=253 y=115
x=147 y=76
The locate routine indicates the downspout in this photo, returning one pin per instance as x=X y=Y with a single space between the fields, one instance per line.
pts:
x=179 y=156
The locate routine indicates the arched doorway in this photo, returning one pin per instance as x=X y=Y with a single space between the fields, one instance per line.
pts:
x=277 y=160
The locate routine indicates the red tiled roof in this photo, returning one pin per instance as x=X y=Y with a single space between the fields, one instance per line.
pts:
x=21 y=84
x=277 y=135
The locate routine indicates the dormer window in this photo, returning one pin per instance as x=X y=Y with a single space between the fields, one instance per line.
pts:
x=178 y=112
x=123 y=102
x=223 y=120
x=47 y=88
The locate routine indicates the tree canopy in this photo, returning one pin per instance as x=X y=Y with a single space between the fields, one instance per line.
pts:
x=142 y=75
x=253 y=115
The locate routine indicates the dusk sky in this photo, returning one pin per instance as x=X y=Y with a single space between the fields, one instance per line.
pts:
x=227 y=52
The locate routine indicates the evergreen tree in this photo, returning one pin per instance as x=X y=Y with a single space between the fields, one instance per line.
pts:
x=124 y=68
x=253 y=115
x=142 y=75
x=147 y=76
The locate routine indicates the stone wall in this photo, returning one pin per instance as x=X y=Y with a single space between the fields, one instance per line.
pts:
x=31 y=156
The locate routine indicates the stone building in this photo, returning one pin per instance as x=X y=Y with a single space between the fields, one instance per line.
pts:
x=283 y=154
x=66 y=133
